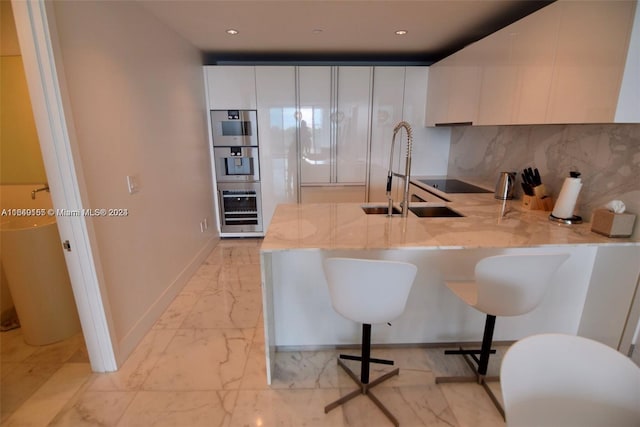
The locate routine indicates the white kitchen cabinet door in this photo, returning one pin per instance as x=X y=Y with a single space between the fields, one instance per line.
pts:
x=437 y=94
x=314 y=109
x=388 y=93
x=353 y=124
x=231 y=87
x=464 y=89
x=590 y=59
x=430 y=145
x=453 y=97
x=276 y=100
x=534 y=55
x=517 y=65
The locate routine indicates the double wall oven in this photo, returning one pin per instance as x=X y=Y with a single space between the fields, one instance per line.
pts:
x=237 y=164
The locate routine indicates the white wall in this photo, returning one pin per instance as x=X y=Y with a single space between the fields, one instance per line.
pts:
x=137 y=99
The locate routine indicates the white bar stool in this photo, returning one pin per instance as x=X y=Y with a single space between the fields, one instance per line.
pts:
x=368 y=291
x=580 y=383
x=504 y=285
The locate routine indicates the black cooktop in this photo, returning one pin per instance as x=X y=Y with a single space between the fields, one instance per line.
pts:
x=453 y=186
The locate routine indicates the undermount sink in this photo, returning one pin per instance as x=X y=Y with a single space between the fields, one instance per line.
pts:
x=419 y=211
x=433 y=211
x=380 y=210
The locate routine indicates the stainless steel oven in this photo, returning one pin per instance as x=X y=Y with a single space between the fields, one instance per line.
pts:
x=240 y=207
x=234 y=127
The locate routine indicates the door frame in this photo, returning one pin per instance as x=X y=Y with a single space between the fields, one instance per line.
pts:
x=54 y=122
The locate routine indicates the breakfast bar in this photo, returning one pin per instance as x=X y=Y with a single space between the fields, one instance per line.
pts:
x=297 y=309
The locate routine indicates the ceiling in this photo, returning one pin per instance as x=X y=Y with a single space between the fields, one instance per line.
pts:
x=338 y=30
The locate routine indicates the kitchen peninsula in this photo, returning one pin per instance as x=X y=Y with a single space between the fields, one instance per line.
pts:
x=297 y=308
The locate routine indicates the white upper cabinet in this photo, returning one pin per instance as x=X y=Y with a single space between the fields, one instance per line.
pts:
x=561 y=64
x=231 y=87
x=590 y=59
x=454 y=91
x=517 y=67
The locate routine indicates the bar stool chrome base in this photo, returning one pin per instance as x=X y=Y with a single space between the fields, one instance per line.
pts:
x=476 y=378
x=364 y=385
x=480 y=367
x=364 y=389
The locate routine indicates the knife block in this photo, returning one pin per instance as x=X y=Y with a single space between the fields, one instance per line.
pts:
x=535 y=203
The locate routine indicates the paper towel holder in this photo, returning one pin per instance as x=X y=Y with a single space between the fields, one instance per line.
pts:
x=576 y=219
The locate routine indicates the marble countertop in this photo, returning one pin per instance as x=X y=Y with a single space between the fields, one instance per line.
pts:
x=487 y=223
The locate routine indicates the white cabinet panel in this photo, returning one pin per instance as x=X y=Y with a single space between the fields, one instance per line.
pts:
x=430 y=145
x=388 y=90
x=562 y=64
x=276 y=101
x=231 y=87
x=352 y=121
x=314 y=94
x=517 y=66
x=590 y=58
x=334 y=113
x=454 y=91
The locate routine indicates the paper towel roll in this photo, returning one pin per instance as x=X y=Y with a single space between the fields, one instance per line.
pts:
x=566 y=202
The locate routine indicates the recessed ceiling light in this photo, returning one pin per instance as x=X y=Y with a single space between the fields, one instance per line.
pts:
x=317 y=30
x=232 y=32
x=401 y=32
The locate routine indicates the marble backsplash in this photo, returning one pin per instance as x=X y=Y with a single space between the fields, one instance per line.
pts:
x=607 y=156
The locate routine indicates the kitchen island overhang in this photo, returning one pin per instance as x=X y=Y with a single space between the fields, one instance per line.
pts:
x=297 y=309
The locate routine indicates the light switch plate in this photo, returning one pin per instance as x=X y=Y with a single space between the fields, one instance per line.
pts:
x=133 y=184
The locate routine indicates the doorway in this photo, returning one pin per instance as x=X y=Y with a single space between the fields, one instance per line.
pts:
x=37 y=46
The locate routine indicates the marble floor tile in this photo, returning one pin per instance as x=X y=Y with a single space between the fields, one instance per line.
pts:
x=208 y=272
x=203 y=363
x=412 y=406
x=185 y=408
x=20 y=382
x=471 y=405
x=80 y=356
x=137 y=367
x=310 y=369
x=51 y=397
x=13 y=348
x=255 y=372
x=177 y=311
x=235 y=277
x=286 y=408
x=235 y=255
x=59 y=352
x=94 y=408
x=223 y=308
x=202 y=359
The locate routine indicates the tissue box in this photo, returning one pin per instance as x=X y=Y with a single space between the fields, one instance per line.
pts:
x=612 y=224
